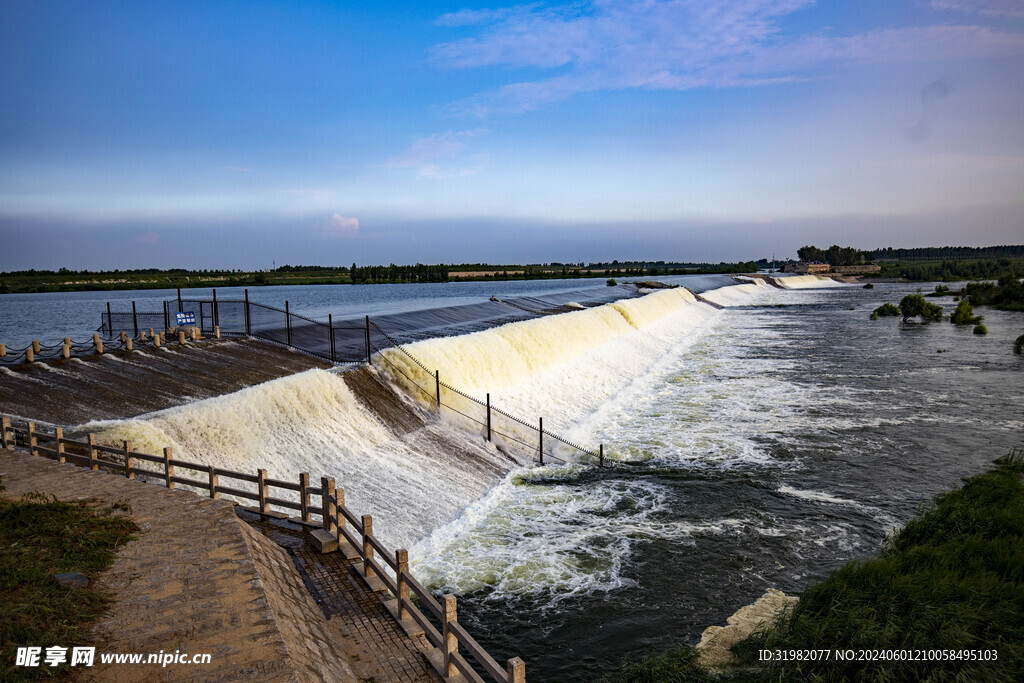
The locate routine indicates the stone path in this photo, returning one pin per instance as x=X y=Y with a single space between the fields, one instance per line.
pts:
x=200 y=580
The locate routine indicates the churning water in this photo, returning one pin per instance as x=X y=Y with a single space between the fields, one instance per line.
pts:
x=760 y=445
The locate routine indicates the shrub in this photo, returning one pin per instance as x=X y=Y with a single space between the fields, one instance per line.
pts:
x=913 y=305
x=1018 y=345
x=611 y=282
x=964 y=315
x=980 y=329
x=869 y=285
x=884 y=311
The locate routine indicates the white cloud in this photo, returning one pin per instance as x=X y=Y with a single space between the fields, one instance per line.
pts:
x=424 y=153
x=991 y=8
x=678 y=45
x=340 y=227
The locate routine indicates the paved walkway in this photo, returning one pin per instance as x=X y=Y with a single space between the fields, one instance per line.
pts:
x=199 y=580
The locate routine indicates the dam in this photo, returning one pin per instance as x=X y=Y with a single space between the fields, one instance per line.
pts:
x=756 y=438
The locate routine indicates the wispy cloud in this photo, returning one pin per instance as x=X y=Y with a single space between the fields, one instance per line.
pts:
x=679 y=45
x=339 y=227
x=425 y=153
x=990 y=8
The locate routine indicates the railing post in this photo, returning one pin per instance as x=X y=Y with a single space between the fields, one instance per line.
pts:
x=261 y=486
x=248 y=329
x=368 y=357
x=488 y=416
x=216 y=322
x=516 y=670
x=541 y=449
x=59 y=434
x=93 y=465
x=123 y=337
x=330 y=334
x=168 y=468
x=98 y=343
x=30 y=354
x=110 y=320
x=329 y=510
x=402 y=560
x=367 y=546
x=288 y=323
x=65 y=350
x=437 y=380
x=5 y=426
x=35 y=345
x=31 y=438
x=135 y=319
x=304 y=495
x=449 y=643
x=180 y=309
x=128 y=460
x=3 y=350
x=167 y=318
x=213 y=482
x=600 y=461
x=339 y=501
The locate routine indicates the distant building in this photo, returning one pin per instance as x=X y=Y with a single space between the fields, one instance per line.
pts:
x=804 y=268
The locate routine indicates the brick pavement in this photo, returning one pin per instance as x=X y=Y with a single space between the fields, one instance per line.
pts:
x=198 y=579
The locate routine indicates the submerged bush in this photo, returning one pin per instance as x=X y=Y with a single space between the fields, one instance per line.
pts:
x=885 y=310
x=913 y=305
x=980 y=329
x=964 y=315
x=611 y=282
x=869 y=285
x=1018 y=345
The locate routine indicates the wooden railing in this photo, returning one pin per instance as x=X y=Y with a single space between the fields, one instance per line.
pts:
x=337 y=523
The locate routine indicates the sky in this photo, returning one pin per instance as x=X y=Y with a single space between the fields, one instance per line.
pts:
x=247 y=134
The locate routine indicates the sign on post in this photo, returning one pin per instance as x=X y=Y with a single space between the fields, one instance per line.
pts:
x=185 y=319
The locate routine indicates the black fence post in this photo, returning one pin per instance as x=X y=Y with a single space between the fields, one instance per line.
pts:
x=488 y=416
x=110 y=320
x=135 y=319
x=288 y=323
x=330 y=324
x=248 y=329
x=215 y=321
x=600 y=461
x=368 y=359
x=167 y=318
x=437 y=379
x=541 y=449
x=180 y=309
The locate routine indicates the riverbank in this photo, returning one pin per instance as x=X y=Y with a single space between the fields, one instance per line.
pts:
x=943 y=596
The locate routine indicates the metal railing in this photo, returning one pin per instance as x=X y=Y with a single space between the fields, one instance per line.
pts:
x=337 y=524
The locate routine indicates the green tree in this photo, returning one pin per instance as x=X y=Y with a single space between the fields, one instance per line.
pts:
x=964 y=314
x=914 y=305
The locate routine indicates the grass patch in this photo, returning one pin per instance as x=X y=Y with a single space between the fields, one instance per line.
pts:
x=40 y=537
x=953 y=578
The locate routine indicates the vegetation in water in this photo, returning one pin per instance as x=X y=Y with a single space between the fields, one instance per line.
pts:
x=980 y=329
x=915 y=305
x=40 y=537
x=611 y=282
x=886 y=310
x=964 y=314
x=1018 y=345
x=869 y=285
x=1007 y=294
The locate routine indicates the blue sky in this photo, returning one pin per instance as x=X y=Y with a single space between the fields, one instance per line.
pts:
x=236 y=134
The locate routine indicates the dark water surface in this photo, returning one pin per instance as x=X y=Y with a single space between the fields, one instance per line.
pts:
x=785 y=442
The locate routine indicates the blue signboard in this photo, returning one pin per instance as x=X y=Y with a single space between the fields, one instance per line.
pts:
x=186 y=318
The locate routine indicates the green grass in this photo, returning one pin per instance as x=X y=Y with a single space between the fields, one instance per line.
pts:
x=41 y=537
x=953 y=578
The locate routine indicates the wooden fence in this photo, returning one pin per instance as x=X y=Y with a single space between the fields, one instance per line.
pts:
x=335 y=527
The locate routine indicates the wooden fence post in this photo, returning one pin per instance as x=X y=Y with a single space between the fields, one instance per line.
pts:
x=168 y=468
x=304 y=495
x=65 y=350
x=128 y=460
x=128 y=344
x=32 y=438
x=339 y=498
x=516 y=670
x=30 y=355
x=367 y=546
x=261 y=486
x=98 y=343
x=449 y=643
x=213 y=482
x=35 y=346
x=59 y=434
x=402 y=560
x=5 y=426
x=93 y=465
x=123 y=337
x=329 y=505
x=3 y=350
